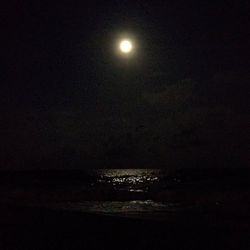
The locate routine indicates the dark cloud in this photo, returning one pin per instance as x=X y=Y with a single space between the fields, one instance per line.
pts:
x=132 y=126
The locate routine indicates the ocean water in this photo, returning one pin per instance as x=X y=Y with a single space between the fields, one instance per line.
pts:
x=125 y=191
x=129 y=192
x=134 y=192
x=130 y=180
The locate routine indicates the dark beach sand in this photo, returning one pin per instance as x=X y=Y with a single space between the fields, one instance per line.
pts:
x=49 y=211
x=43 y=228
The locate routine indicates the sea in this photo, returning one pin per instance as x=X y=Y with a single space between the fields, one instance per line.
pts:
x=124 y=191
x=128 y=192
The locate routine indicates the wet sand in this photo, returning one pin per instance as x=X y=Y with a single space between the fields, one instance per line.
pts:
x=50 y=211
x=42 y=228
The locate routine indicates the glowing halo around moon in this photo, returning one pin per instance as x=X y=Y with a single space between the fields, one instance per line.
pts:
x=126 y=46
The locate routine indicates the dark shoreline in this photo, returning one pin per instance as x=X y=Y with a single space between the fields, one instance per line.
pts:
x=218 y=217
x=40 y=228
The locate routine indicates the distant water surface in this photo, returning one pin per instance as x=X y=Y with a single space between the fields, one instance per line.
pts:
x=126 y=191
x=132 y=180
x=131 y=191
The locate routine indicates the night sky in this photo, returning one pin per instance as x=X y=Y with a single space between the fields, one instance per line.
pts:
x=69 y=100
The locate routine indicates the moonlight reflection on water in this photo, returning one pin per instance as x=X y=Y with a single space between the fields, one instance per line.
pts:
x=132 y=191
x=134 y=180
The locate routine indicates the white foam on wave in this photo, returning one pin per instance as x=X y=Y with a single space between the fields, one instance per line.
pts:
x=125 y=207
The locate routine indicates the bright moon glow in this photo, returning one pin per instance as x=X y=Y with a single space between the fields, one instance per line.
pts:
x=126 y=46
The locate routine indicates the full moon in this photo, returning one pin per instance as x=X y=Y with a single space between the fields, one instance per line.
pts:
x=125 y=46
